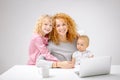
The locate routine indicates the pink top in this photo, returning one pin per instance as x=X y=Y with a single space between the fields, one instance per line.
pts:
x=38 y=47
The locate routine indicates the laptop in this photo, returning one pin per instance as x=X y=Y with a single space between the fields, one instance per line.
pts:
x=95 y=66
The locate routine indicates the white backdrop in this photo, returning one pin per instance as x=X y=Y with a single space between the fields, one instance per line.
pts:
x=99 y=19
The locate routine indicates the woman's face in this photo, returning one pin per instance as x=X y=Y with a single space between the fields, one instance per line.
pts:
x=61 y=27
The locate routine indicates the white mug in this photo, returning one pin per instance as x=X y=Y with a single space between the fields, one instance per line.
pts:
x=45 y=71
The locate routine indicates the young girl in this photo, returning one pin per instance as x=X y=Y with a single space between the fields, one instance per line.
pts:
x=82 y=52
x=40 y=40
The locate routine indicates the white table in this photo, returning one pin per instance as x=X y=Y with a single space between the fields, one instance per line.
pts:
x=26 y=72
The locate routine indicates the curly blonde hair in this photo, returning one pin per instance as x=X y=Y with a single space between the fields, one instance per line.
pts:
x=38 y=26
x=71 y=34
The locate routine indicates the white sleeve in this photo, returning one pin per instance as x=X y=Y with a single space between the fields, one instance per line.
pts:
x=74 y=54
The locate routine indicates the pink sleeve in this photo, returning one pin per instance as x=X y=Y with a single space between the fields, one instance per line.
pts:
x=41 y=46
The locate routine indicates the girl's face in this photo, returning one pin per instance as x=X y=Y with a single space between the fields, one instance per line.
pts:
x=81 y=45
x=46 y=26
x=61 y=27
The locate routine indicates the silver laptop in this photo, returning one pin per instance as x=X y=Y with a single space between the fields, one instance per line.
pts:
x=95 y=66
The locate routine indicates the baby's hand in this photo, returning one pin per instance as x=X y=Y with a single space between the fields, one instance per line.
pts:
x=91 y=56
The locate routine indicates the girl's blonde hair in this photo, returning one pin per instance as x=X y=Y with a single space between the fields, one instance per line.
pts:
x=38 y=26
x=85 y=38
x=71 y=34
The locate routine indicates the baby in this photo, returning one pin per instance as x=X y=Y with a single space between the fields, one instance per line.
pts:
x=82 y=52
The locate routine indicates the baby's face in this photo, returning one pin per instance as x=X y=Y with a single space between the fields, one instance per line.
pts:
x=81 y=45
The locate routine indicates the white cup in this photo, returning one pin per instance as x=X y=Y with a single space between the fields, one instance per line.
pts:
x=45 y=71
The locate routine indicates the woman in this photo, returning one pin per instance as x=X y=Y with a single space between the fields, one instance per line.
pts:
x=62 y=42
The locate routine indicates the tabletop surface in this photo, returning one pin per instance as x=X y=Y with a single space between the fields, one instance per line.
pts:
x=27 y=72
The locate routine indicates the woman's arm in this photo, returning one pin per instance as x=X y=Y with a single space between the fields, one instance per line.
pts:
x=61 y=64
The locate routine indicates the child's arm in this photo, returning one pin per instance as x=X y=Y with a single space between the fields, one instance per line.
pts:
x=73 y=60
x=44 y=50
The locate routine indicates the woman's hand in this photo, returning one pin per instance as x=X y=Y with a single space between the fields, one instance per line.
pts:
x=65 y=64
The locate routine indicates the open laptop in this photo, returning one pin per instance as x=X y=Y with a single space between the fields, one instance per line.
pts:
x=95 y=66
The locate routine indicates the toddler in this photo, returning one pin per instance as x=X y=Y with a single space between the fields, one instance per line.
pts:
x=82 y=52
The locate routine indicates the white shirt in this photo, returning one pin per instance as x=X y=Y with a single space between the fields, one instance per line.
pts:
x=80 y=55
